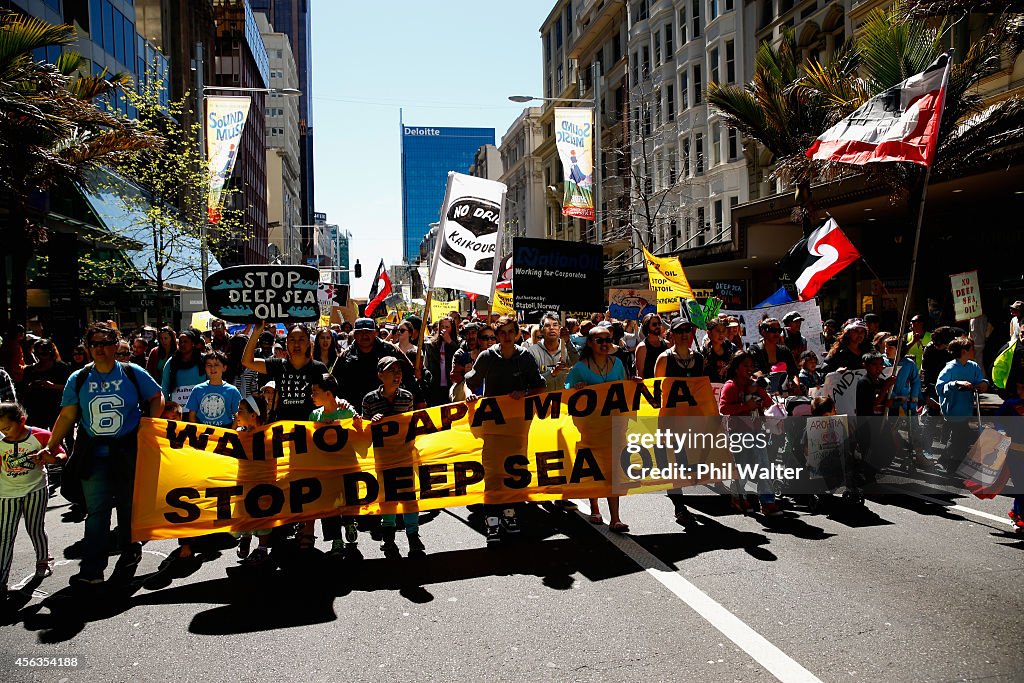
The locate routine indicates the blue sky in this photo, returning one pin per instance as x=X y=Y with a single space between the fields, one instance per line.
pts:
x=443 y=62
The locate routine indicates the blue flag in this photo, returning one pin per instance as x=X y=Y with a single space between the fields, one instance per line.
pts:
x=776 y=299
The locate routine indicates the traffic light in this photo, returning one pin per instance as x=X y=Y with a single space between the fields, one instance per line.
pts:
x=358 y=269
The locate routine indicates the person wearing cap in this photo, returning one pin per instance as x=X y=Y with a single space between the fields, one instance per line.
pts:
x=391 y=399
x=293 y=376
x=184 y=370
x=734 y=332
x=1016 y=317
x=918 y=338
x=793 y=339
x=356 y=367
x=845 y=352
x=504 y=369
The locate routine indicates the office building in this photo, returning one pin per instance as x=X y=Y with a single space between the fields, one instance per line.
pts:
x=284 y=185
x=428 y=154
x=292 y=17
x=521 y=173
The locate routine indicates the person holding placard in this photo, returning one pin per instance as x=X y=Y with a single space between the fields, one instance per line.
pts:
x=292 y=376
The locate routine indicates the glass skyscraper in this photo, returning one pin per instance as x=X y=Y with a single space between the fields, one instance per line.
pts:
x=428 y=153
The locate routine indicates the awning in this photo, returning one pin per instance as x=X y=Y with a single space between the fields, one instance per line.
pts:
x=121 y=207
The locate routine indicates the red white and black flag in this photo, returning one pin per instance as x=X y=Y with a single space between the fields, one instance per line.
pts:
x=380 y=290
x=901 y=124
x=814 y=260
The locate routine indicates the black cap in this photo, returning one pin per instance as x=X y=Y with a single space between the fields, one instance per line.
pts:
x=791 y=317
x=386 y=362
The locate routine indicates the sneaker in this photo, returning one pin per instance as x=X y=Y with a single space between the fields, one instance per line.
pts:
x=685 y=519
x=84 y=580
x=509 y=522
x=1018 y=520
x=244 y=544
x=337 y=548
x=493 y=529
x=44 y=568
x=127 y=563
x=416 y=546
x=258 y=557
x=351 y=531
x=352 y=552
x=771 y=510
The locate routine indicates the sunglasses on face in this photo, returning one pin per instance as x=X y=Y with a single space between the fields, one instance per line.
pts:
x=773 y=330
x=602 y=341
x=123 y=354
x=487 y=337
x=101 y=343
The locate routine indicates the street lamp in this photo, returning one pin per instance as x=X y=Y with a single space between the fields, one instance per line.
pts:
x=595 y=102
x=287 y=92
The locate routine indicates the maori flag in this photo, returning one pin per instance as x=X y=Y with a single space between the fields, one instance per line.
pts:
x=380 y=290
x=812 y=261
x=900 y=124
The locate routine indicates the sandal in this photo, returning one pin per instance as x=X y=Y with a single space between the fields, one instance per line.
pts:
x=307 y=541
x=596 y=519
x=44 y=568
x=619 y=528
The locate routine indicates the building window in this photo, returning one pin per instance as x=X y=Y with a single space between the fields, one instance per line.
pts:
x=547 y=46
x=730 y=61
x=712 y=10
x=670 y=101
x=657 y=49
x=719 y=218
x=728 y=5
x=695 y=19
x=558 y=33
x=657 y=108
x=673 y=167
x=645 y=62
x=698 y=150
x=684 y=91
x=673 y=228
x=682 y=26
x=701 y=226
x=734 y=145
x=698 y=85
x=636 y=67
x=648 y=131
x=713 y=66
x=559 y=78
x=716 y=144
x=669 y=41
x=686 y=158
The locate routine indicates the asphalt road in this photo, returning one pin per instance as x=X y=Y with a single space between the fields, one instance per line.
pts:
x=904 y=589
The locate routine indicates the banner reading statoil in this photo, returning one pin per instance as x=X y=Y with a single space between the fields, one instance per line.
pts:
x=225 y=121
x=192 y=479
x=574 y=136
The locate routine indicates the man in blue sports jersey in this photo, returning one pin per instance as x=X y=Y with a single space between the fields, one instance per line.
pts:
x=108 y=400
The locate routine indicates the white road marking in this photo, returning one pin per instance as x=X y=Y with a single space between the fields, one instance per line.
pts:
x=961 y=508
x=777 y=662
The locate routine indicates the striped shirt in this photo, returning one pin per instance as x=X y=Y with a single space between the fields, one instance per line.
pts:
x=375 y=403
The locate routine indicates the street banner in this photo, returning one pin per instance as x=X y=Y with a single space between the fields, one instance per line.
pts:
x=966 y=295
x=441 y=309
x=469 y=234
x=668 y=280
x=631 y=304
x=501 y=303
x=574 y=138
x=194 y=479
x=251 y=293
x=556 y=275
x=733 y=293
x=225 y=121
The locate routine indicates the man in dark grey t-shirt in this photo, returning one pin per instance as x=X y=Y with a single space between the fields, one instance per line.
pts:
x=504 y=370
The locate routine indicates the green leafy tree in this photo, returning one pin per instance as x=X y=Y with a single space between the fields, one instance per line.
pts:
x=50 y=130
x=159 y=199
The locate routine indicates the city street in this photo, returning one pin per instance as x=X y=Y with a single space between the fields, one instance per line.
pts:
x=906 y=590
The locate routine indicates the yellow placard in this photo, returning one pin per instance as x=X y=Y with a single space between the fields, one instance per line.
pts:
x=192 y=479
x=440 y=309
x=668 y=280
x=501 y=302
x=201 y=321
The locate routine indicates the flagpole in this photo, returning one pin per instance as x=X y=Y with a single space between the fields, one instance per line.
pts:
x=902 y=332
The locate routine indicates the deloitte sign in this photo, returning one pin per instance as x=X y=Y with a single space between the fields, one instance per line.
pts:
x=421 y=132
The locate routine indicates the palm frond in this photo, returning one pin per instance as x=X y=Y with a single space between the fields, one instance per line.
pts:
x=892 y=51
x=20 y=35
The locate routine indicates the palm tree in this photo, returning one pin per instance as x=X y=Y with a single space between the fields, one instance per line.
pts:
x=771 y=111
x=49 y=130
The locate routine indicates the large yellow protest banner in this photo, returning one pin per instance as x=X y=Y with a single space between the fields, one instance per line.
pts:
x=668 y=280
x=192 y=479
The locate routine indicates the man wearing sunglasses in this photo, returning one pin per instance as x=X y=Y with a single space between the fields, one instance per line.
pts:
x=108 y=400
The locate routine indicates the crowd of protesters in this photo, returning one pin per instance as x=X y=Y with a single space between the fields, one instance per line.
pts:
x=91 y=404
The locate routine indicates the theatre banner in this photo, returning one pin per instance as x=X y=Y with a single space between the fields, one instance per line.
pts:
x=574 y=138
x=193 y=479
x=225 y=121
